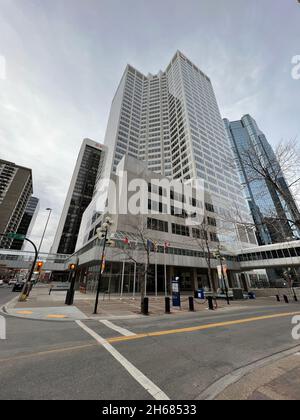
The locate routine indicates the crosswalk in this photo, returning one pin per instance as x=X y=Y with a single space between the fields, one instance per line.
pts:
x=139 y=376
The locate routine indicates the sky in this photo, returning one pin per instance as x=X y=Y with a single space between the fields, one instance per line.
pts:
x=61 y=62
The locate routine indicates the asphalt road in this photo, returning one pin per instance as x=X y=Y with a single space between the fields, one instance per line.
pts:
x=61 y=360
x=5 y=294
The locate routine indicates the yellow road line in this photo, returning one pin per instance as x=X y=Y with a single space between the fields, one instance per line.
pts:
x=47 y=352
x=24 y=312
x=201 y=327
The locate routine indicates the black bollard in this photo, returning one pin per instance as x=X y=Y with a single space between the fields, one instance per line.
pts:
x=210 y=303
x=145 y=306
x=278 y=298
x=167 y=305
x=286 y=299
x=191 y=304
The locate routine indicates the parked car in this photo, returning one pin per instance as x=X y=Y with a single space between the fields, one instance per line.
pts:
x=18 y=287
x=1 y=282
x=12 y=282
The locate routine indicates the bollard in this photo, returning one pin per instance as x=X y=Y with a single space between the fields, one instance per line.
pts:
x=278 y=298
x=145 y=306
x=210 y=303
x=167 y=305
x=191 y=304
x=285 y=298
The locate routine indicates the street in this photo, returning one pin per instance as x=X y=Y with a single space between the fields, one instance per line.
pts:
x=64 y=360
x=6 y=294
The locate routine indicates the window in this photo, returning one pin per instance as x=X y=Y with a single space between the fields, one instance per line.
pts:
x=159 y=225
x=180 y=230
x=209 y=207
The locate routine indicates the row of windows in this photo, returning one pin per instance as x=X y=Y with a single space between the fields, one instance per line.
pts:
x=274 y=254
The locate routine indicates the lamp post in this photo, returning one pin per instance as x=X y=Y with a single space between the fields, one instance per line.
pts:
x=46 y=225
x=102 y=233
x=218 y=255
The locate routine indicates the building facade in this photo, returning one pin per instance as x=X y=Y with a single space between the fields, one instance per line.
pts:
x=270 y=212
x=79 y=196
x=171 y=121
x=15 y=191
x=27 y=222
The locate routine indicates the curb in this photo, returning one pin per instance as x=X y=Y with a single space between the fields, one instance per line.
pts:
x=212 y=392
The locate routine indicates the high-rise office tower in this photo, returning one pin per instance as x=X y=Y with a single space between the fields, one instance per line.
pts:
x=172 y=122
x=85 y=175
x=27 y=222
x=15 y=192
x=269 y=210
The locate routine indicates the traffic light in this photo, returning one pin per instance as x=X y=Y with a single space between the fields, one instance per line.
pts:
x=39 y=266
x=72 y=267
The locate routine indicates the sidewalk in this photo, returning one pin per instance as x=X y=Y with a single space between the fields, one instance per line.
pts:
x=41 y=305
x=278 y=380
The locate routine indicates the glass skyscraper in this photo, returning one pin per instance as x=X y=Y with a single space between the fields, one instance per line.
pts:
x=269 y=211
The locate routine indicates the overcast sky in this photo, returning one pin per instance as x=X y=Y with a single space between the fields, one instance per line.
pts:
x=64 y=60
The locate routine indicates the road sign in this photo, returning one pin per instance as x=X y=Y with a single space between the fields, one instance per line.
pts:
x=18 y=236
x=176 y=292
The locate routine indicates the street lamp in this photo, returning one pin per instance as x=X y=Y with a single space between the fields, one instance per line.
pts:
x=42 y=238
x=218 y=255
x=102 y=233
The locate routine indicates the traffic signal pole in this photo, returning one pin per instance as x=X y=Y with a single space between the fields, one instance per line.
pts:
x=27 y=285
x=70 y=293
x=100 y=274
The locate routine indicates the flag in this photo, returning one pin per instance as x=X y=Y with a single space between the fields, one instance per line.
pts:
x=149 y=244
x=126 y=241
x=155 y=243
x=167 y=245
x=103 y=265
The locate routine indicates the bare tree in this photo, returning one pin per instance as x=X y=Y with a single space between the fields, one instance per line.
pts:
x=202 y=238
x=281 y=173
x=139 y=251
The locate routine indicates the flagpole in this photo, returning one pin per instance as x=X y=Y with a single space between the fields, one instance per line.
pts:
x=122 y=283
x=165 y=269
x=156 y=273
x=134 y=281
x=146 y=277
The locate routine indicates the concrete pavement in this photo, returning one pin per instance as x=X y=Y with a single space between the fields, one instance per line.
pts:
x=278 y=380
x=41 y=305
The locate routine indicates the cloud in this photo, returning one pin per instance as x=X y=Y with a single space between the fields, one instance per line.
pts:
x=64 y=61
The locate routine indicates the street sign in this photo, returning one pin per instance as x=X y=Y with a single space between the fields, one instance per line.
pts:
x=18 y=236
x=176 y=292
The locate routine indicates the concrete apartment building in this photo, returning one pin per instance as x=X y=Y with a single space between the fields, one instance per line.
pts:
x=15 y=191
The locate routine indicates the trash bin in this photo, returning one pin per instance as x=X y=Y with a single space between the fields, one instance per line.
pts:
x=252 y=295
x=201 y=294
